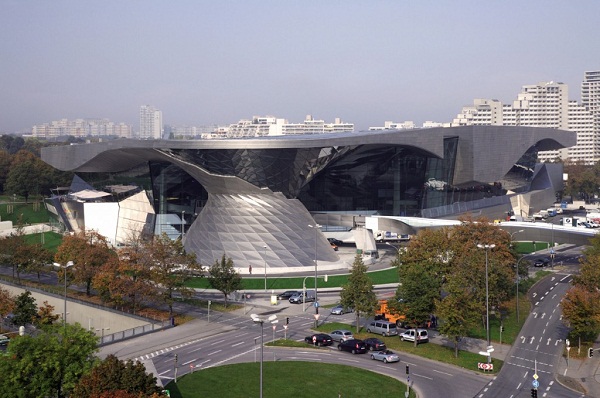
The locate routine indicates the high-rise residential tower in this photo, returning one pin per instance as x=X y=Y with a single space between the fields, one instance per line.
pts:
x=150 y=123
x=547 y=104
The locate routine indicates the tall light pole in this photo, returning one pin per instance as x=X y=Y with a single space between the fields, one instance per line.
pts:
x=316 y=228
x=487 y=292
x=265 y=247
x=256 y=319
x=67 y=265
x=511 y=236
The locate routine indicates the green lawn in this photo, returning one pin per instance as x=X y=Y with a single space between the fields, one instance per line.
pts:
x=257 y=283
x=50 y=240
x=286 y=379
x=21 y=212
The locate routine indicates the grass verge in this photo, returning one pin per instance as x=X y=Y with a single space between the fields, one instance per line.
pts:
x=281 y=379
x=378 y=277
x=436 y=352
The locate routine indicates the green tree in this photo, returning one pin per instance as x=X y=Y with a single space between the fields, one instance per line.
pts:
x=171 y=268
x=224 y=277
x=459 y=311
x=19 y=181
x=358 y=292
x=49 y=363
x=25 y=311
x=113 y=375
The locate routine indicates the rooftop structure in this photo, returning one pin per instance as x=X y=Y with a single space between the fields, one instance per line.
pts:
x=256 y=199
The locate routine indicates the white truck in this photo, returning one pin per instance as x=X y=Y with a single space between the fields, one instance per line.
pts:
x=388 y=236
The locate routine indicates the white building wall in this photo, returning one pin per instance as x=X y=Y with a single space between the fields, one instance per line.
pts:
x=103 y=218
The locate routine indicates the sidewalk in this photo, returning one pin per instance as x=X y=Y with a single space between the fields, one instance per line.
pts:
x=581 y=375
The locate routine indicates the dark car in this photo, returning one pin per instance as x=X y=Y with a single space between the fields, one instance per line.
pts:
x=334 y=241
x=374 y=344
x=354 y=346
x=287 y=294
x=541 y=262
x=319 y=339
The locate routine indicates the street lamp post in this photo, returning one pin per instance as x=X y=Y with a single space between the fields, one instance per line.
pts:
x=511 y=236
x=487 y=292
x=67 y=265
x=316 y=227
x=265 y=247
x=256 y=319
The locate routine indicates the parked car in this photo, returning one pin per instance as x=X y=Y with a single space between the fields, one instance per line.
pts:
x=341 y=335
x=385 y=356
x=420 y=334
x=319 y=339
x=340 y=310
x=353 y=345
x=4 y=340
x=541 y=262
x=374 y=344
x=384 y=328
x=287 y=294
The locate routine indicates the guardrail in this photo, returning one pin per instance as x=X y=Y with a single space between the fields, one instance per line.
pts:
x=134 y=332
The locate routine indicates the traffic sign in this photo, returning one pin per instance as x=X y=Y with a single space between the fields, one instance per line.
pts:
x=535 y=384
x=535 y=376
x=316 y=304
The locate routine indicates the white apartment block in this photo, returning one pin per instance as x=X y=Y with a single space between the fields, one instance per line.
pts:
x=544 y=104
x=408 y=125
x=590 y=96
x=260 y=126
x=151 y=126
x=81 y=128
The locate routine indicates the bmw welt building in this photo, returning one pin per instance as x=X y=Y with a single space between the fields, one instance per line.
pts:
x=271 y=201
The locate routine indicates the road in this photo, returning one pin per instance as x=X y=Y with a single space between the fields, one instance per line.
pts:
x=242 y=344
x=533 y=357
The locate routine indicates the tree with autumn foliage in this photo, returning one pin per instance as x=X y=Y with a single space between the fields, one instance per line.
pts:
x=7 y=303
x=46 y=315
x=171 y=267
x=580 y=306
x=117 y=379
x=358 y=293
x=89 y=251
x=224 y=277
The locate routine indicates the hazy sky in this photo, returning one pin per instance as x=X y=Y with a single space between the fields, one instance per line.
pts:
x=218 y=61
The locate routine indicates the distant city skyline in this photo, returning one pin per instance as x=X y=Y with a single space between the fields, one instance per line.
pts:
x=214 y=63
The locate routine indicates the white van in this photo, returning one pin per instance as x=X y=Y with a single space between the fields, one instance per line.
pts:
x=383 y=328
x=420 y=334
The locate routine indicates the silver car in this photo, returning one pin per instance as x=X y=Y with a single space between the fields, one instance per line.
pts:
x=385 y=356
x=339 y=310
x=341 y=335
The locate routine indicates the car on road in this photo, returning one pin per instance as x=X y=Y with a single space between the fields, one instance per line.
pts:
x=386 y=356
x=541 y=262
x=353 y=345
x=298 y=297
x=340 y=310
x=319 y=339
x=335 y=241
x=287 y=294
x=420 y=334
x=341 y=335
x=374 y=344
